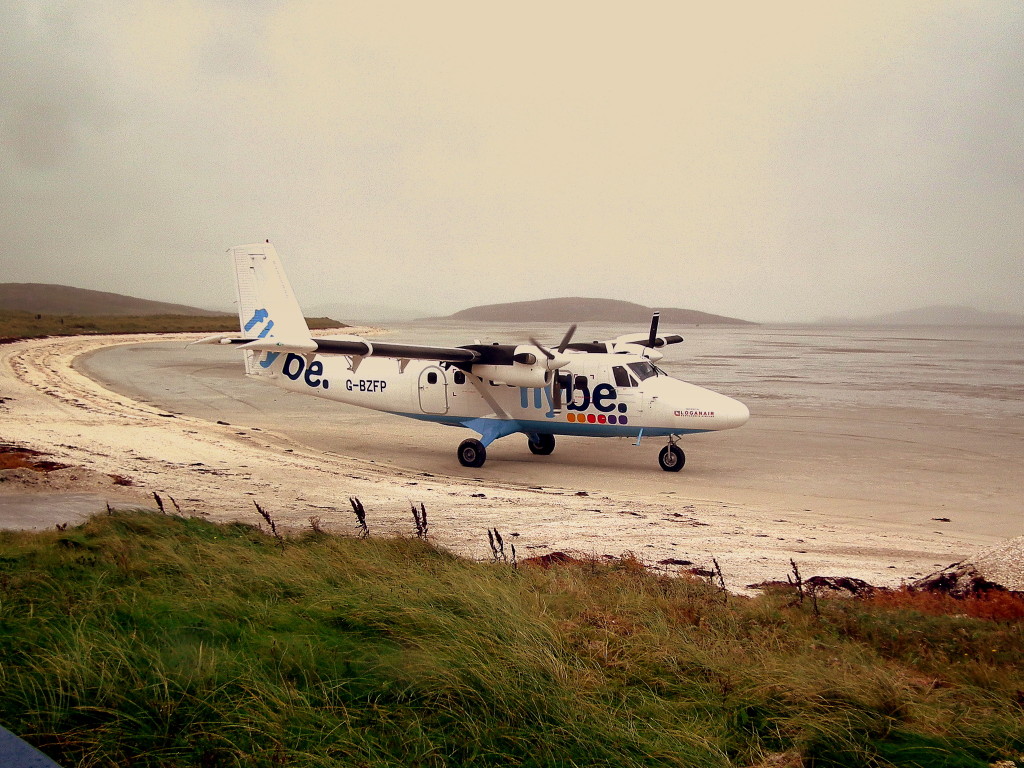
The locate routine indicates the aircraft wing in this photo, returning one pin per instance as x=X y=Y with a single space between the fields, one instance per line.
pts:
x=660 y=341
x=364 y=348
x=354 y=346
x=633 y=339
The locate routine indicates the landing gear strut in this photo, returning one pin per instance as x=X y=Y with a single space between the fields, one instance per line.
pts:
x=544 y=445
x=671 y=458
x=472 y=453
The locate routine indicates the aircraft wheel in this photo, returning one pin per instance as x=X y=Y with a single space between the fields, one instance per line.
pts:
x=671 y=458
x=544 y=446
x=472 y=453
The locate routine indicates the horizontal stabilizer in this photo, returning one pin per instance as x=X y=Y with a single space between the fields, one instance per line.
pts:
x=220 y=338
x=277 y=344
x=268 y=344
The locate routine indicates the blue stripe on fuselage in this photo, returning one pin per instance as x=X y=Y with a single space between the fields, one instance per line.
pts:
x=559 y=428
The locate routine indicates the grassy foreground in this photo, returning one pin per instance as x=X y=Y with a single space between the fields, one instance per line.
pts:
x=25 y=325
x=147 y=640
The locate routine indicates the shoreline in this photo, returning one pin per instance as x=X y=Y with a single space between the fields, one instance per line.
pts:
x=218 y=470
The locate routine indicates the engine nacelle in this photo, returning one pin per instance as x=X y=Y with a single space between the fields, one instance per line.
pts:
x=516 y=374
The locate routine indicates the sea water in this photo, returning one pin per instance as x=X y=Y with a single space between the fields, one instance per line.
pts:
x=978 y=371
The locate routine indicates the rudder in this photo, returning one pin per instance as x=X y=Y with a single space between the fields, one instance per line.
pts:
x=267 y=307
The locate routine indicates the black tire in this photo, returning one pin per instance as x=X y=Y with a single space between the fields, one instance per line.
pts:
x=671 y=458
x=544 y=446
x=472 y=453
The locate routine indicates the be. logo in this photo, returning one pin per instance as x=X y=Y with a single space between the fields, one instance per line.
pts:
x=578 y=397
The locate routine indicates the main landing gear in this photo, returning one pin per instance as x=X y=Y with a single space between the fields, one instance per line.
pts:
x=543 y=446
x=472 y=453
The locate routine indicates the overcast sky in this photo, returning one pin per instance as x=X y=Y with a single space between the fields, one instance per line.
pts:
x=771 y=161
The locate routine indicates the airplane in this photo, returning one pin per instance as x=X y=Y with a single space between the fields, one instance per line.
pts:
x=599 y=389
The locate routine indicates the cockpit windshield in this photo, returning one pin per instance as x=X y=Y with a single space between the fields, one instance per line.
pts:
x=644 y=370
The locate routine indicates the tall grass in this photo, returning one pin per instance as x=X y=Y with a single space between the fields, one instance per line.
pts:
x=150 y=640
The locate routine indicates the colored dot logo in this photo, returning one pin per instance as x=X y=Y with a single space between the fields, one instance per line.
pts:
x=590 y=418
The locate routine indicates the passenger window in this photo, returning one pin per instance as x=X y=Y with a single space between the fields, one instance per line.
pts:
x=621 y=377
x=460 y=377
x=582 y=383
x=432 y=378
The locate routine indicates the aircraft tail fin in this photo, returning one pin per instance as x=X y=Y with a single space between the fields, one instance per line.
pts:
x=268 y=311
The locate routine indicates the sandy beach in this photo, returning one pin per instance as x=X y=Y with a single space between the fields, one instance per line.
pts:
x=882 y=494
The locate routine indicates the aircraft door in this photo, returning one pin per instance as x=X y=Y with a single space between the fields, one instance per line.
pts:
x=629 y=395
x=632 y=400
x=433 y=386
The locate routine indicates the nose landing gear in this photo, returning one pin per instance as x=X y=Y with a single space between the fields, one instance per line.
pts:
x=671 y=457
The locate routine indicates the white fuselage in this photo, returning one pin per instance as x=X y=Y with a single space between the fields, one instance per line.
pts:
x=603 y=395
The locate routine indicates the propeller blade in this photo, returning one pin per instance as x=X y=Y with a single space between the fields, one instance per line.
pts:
x=561 y=346
x=654 y=330
x=547 y=352
x=567 y=338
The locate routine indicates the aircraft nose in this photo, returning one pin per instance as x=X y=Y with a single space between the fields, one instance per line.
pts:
x=733 y=414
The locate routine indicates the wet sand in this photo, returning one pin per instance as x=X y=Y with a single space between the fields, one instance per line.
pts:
x=41 y=510
x=853 y=491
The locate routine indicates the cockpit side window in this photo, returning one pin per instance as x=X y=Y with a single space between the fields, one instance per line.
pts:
x=643 y=370
x=622 y=378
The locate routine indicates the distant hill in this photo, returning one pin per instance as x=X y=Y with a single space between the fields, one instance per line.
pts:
x=939 y=315
x=41 y=298
x=578 y=310
x=367 y=313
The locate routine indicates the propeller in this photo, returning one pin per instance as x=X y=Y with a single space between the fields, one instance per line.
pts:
x=556 y=384
x=652 y=339
x=562 y=345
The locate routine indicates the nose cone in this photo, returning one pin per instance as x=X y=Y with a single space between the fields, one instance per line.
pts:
x=732 y=413
x=695 y=409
